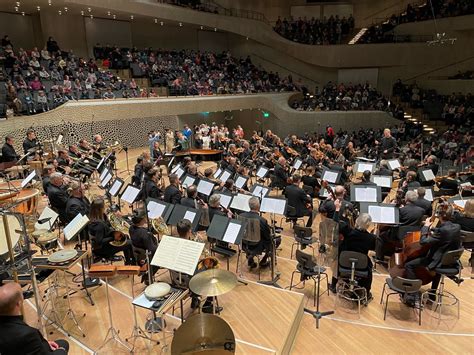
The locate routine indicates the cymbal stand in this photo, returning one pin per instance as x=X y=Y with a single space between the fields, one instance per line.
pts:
x=70 y=313
x=51 y=295
x=112 y=333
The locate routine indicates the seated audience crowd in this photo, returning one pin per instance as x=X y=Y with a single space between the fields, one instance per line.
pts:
x=463 y=75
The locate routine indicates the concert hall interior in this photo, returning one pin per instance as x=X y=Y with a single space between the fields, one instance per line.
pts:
x=249 y=177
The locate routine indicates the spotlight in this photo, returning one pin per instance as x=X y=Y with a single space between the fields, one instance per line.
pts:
x=65 y=9
x=202 y=27
x=59 y=12
x=215 y=29
x=89 y=9
x=92 y=16
x=23 y=13
x=161 y=23
x=18 y=3
x=38 y=8
x=108 y=13
x=16 y=8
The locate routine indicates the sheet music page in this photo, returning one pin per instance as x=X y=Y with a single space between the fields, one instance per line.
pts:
x=106 y=180
x=465 y=184
x=376 y=213
x=231 y=232
x=130 y=194
x=103 y=174
x=330 y=176
x=240 y=181
x=188 y=181
x=428 y=174
x=155 y=209
x=217 y=173
x=273 y=205
x=364 y=166
x=297 y=164
x=180 y=171
x=394 y=164
x=460 y=203
x=205 y=187
x=225 y=175
x=47 y=213
x=429 y=194
x=176 y=167
x=116 y=186
x=225 y=200
x=190 y=215
x=73 y=227
x=365 y=194
x=387 y=214
x=382 y=181
x=257 y=191
x=27 y=180
x=241 y=202
x=262 y=171
x=100 y=163
x=142 y=301
x=178 y=254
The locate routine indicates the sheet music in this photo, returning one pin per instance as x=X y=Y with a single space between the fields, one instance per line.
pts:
x=103 y=174
x=100 y=164
x=428 y=175
x=75 y=226
x=465 y=184
x=382 y=181
x=260 y=191
x=273 y=205
x=205 y=187
x=394 y=164
x=116 y=186
x=188 y=181
x=130 y=194
x=240 y=181
x=361 y=167
x=225 y=175
x=142 y=301
x=365 y=194
x=460 y=203
x=297 y=164
x=429 y=195
x=27 y=180
x=241 y=202
x=176 y=167
x=106 y=180
x=262 y=171
x=155 y=209
x=382 y=214
x=330 y=176
x=217 y=173
x=47 y=213
x=231 y=232
x=190 y=215
x=180 y=171
x=60 y=139
x=225 y=200
x=178 y=254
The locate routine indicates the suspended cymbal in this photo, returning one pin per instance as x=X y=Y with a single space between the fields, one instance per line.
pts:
x=203 y=334
x=213 y=282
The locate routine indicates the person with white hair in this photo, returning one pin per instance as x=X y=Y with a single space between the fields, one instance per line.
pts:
x=58 y=196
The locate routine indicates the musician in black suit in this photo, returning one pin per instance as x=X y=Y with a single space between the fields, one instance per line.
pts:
x=366 y=179
x=280 y=174
x=57 y=196
x=77 y=202
x=17 y=337
x=445 y=238
x=191 y=199
x=30 y=141
x=172 y=193
x=422 y=202
x=8 y=151
x=309 y=179
x=328 y=207
x=383 y=169
x=150 y=186
x=450 y=183
x=388 y=144
x=300 y=200
x=265 y=244
x=409 y=182
x=46 y=181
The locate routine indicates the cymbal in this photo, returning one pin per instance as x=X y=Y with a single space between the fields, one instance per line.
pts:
x=213 y=282
x=203 y=334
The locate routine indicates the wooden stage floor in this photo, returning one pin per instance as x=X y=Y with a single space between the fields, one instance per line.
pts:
x=263 y=318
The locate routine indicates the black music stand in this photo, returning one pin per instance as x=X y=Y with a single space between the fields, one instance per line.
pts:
x=366 y=193
x=181 y=212
x=188 y=180
x=157 y=208
x=240 y=181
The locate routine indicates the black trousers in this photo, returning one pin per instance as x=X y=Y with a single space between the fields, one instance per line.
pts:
x=107 y=250
x=412 y=265
x=62 y=344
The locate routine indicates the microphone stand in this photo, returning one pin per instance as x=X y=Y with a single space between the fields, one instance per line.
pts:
x=126 y=157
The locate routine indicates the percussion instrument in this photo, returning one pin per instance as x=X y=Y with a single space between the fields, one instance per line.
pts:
x=27 y=201
x=62 y=256
x=128 y=270
x=157 y=290
x=213 y=282
x=102 y=271
x=46 y=238
x=207 y=263
x=12 y=184
x=14 y=228
x=17 y=169
x=38 y=233
x=203 y=334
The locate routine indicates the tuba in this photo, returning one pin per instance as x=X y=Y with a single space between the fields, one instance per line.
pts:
x=160 y=226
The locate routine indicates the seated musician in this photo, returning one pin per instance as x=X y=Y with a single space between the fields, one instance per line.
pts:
x=466 y=218
x=150 y=186
x=265 y=245
x=143 y=239
x=358 y=240
x=85 y=147
x=431 y=163
x=30 y=142
x=227 y=187
x=172 y=192
x=444 y=238
x=77 y=201
x=216 y=208
x=280 y=174
x=102 y=234
x=46 y=177
x=422 y=202
x=309 y=179
x=409 y=181
x=75 y=152
x=98 y=144
x=192 y=197
x=300 y=200
x=17 y=337
x=232 y=167
x=450 y=183
x=383 y=169
x=57 y=195
x=8 y=151
x=328 y=207
x=64 y=161
x=366 y=178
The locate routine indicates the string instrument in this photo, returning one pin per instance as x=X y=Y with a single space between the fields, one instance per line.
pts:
x=292 y=151
x=328 y=188
x=226 y=211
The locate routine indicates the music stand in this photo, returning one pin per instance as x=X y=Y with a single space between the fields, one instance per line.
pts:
x=259 y=190
x=104 y=182
x=178 y=170
x=394 y=164
x=48 y=215
x=240 y=202
x=226 y=230
x=297 y=164
x=103 y=173
x=383 y=181
x=157 y=208
x=181 y=212
x=331 y=176
x=426 y=175
x=205 y=187
x=226 y=174
x=130 y=194
x=262 y=172
x=226 y=200
x=360 y=167
x=366 y=193
x=188 y=180
x=28 y=179
x=217 y=173
x=240 y=181
x=381 y=213
x=115 y=187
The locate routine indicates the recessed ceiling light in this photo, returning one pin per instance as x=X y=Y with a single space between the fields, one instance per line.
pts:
x=156 y=20
x=17 y=3
x=161 y=23
x=82 y=13
x=215 y=29
x=114 y=17
x=180 y=24
x=92 y=16
x=108 y=13
x=202 y=27
x=38 y=8
x=131 y=17
x=16 y=8
x=89 y=9
x=65 y=9
x=59 y=12
x=23 y=13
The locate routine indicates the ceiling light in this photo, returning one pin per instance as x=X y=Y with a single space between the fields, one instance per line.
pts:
x=82 y=13
x=156 y=20
x=23 y=13
x=114 y=17
x=180 y=24
x=202 y=27
x=161 y=23
x=131 y=17
x=49 y=2
x=65 y=9
x=89 y=9
x=215 y=29
x=59 y=12
x=108 y=13
x=17 y=3
x=16 y=8
x=38 y=8
x=92 y=16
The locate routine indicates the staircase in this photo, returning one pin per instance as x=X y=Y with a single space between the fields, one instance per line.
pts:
x=429 y=126
x=358 y=35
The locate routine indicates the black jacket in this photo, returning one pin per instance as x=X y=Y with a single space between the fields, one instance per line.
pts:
x=388 y=144
x=102 y=233
x=466 y=223
x=329 y=208
x=150 y=190
x=441 y=240
x=384 y=172
x=265 y=232
x=172 y=195
x=9 y=153
x=425 y=204
x=58 y=199
x=27 y=144
x=17 y=337
x=357 y=240
x=143 y=239
x=411 y=215
x=188 y=202
x=76 y=205
x=298 y=199
x=281 y=176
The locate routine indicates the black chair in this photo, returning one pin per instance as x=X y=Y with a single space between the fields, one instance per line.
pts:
x=303 y=238
x=468 y=244
x=405 y=288
x=250 y=241
x=451 y=267
x=290 y=216
x=308 y=269
x=352 y=266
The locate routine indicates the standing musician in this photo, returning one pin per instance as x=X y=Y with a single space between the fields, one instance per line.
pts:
x=8 y=151
x=169 y=140
x=150 y=184
x=30 y=141
x=172 y=192
x=102 y=234
x=138 y=171
x=300 y=200
x=388 y=144
x=57 y=196
x=446 y=237
x=182 y=143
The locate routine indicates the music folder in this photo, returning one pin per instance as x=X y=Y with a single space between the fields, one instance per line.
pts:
x=262 y=172
x=225 y=229
x=177 y=254
x=366 y=193
x=47 y=213
x=28 y=179
x=360 y=167
x=75 y=226
x=240 y=180
x=179 y=171
x=157 y=208
x=259 y=190
x=103 y=174
x=382 y=180
x=217 y=173
x=381 y=212
x=331 y=176
x=226 y=174
x=273 y=205
x=240 y=202
x=115 y=187
x=205 y=187
x=428 y=192
x=130 y=194
x=181 y=212
x=188 y=180
x=106 y=179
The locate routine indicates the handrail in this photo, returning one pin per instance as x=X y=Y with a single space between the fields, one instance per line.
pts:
x=397 y=2
x=439 y=68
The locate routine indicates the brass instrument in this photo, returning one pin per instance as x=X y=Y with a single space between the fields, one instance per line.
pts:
x=160 y=226
x=120 y=229
x=209 y=262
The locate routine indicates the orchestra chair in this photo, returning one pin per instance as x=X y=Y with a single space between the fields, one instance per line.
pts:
x=290 y=216
x=352 y=265
x=404 y=288
x=250 y=241
x=308 y=269
x=468 y=244
x=450 y=266
x=101 y=258
x=303 y=238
